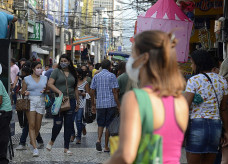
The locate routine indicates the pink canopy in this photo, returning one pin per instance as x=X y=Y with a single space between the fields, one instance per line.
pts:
x=165 y=15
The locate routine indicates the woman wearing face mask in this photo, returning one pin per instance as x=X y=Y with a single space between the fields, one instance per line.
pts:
x=83 y=89
x=165 y=110
x=34 y=86
x=57 y=84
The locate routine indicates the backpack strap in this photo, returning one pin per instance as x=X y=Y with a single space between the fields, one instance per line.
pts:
x=145 y=109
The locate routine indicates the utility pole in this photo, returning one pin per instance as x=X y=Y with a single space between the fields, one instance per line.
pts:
x=53 y=48
x=225 y=30
x=62 y=29
x=74 y=27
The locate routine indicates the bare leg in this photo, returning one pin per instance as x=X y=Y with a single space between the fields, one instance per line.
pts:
x=32 y=127
x=38 y=123
x=106 y=139
x=100 y=133
x=209 y=158
x=194 y=158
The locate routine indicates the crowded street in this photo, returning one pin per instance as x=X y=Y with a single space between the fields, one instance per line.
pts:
x=83 y=154
x=113 y=81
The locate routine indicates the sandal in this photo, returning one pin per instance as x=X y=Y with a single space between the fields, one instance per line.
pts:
x=72 y=138
x=78 y=142
x=68 y=152
x=49 y=147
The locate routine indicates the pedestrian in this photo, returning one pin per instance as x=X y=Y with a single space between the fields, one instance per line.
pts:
x=14 y=70
x=50 y=93
x=86 y=70
x=205 y=126
x=157 y=108
x=122 y=79
x=91 y=68
x=47 y=67
x=5 y=19
x=83 y=90
x=23 y=121
x=57 y=83
x=5 y=118
x=34 y=86
x=106 y=86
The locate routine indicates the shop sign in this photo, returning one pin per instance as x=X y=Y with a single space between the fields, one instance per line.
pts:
x=33 y=3
x=38 y=33
x=208 y=7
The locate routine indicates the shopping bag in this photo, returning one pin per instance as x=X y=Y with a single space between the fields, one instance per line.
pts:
x=56 y=105
x=113 y=128
x=48 y=102
x=89 y=117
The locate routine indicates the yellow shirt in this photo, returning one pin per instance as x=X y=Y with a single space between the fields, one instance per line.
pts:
x=93 y=72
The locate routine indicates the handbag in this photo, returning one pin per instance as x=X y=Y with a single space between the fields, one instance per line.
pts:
x=113 y=128
x=66 y=100
x=23 y=104
x=150 y=147
x=48 y=102
x=89 y=117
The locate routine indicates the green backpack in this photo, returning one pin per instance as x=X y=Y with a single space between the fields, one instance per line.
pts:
x=150 y=147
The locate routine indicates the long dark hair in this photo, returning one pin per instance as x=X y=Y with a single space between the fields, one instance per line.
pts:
x=71 y=67
x=203 y=61
x=34 y=64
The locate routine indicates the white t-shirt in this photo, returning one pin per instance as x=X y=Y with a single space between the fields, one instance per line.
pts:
x=201 y=85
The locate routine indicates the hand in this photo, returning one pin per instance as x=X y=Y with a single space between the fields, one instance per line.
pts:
x=77 y=107
x=43 y=90
x=60 y=93
x=93 y=109
x=225 y=140
x=27 y=93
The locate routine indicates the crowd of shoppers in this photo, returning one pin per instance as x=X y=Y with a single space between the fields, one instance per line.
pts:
x=147 y=92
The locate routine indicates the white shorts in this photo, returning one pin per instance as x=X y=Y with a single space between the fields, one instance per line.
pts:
x=37 y=104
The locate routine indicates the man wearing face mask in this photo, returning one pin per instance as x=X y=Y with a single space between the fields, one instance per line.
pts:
x=106 y=85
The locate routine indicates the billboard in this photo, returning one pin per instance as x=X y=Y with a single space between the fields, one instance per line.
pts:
x=208 y=7
x=53 y=5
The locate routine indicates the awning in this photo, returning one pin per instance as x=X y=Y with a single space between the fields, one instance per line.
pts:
x=85 y=39
x=77 y=47
x=118 y=53
x=39 y=50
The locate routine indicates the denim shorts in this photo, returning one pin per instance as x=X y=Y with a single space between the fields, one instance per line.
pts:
x=105 y=116
x=203 y=135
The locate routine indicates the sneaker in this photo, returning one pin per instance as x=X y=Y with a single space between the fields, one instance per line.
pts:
x=35 y=153
x=21 y=147
x=40 y=146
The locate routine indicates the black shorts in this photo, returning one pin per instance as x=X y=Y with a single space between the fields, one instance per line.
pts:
x=105 y=116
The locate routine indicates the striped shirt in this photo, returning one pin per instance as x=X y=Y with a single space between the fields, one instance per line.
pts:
x=82 y=98
x=103 y=83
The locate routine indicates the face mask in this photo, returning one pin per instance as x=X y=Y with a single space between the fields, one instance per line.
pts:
x=133 y=73
x=64 y=65
x=38 y=72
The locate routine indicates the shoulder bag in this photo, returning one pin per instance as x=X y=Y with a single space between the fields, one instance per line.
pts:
x=65 y=106
x=150 y=147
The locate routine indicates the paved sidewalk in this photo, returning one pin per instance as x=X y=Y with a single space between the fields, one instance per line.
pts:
x=82 y=154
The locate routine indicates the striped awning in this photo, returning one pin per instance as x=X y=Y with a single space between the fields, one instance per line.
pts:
x=85 y=39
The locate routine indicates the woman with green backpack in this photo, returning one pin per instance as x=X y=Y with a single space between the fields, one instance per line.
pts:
x=155 y=117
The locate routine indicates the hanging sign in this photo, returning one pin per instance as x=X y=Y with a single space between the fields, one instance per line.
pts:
x=208 y=7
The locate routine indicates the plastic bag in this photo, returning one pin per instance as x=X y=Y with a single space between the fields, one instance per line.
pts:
x=56 y=105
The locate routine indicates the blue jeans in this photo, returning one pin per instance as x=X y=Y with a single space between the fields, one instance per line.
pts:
x=68 y=124
x=24 y=136
x=77 y=118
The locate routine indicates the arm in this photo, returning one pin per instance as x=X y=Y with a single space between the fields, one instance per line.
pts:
x=224 y=117
x=116 y=93
x=77 y=97
x=15 y=82
x=93 y=100
x=24 y=89
x=51 y=85
x=14 y=19
x=189 y=97
x=0 y=100
x=130 y=131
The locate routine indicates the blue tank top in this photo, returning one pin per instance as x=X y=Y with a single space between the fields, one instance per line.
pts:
x=35 y=88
